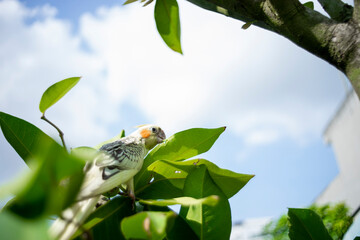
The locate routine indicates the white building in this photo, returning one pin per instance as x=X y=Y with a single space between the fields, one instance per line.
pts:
x=343 y=133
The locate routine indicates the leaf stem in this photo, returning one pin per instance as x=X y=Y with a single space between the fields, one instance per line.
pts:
x=61 y=134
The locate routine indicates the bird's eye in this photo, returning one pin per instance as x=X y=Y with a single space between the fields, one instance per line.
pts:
x=153 y=130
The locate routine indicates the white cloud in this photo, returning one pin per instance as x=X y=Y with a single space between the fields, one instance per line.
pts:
x=248 y=80
x=262 y=137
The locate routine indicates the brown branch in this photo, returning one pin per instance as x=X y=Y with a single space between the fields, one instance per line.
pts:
x=61 y=134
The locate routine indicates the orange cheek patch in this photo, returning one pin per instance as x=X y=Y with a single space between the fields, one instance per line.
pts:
x=145 y=133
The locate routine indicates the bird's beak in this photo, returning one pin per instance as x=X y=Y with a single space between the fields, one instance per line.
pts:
x=161 y=137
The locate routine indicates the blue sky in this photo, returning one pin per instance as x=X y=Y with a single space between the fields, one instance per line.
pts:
x=274 y=97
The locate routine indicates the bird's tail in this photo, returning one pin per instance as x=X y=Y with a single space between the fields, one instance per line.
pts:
x=72 y=218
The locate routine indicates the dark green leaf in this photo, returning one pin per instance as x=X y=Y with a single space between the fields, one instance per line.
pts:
x=109 y=228
x=147 y=225
x=56 y=91
x=309 y=4
x=14 y=227
x=24 y=137
x=167 y=179
x=108 y=215
x=180 y=146
x=306 y=224
x=208 y=222
x=168 y=23
x=180 y=229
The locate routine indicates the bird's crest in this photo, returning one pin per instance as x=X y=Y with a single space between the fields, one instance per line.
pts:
x=142 y=125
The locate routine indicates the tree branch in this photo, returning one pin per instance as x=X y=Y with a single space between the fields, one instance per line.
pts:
x=337 y=10
x=356 y=14
x=239 y=10
x=61 y=134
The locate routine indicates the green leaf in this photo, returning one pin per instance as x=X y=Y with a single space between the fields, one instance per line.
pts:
x=14 y=227
x=51 y=185
x=103 y=217
x=184 y=201
x=24 y=137
x=309 y=4
x=109 y=228
x=180 y=229
x=129 y=1
x=87 y=153
x=208 y=222
x=168 y=23
x=167 y=179
x=186 y=144
x=306 y=224
x=178 y=147
x=147 y=225
x=55 y=92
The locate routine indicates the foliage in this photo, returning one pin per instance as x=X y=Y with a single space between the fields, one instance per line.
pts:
x=170 y=175
x=335 y=218
x=167 y=19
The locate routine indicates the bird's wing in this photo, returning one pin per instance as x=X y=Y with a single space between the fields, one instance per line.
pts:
x=117 y=164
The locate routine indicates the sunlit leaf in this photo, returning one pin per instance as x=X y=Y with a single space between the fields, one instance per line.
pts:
x=168 y=23
x=180 y=146
x=186 y=144
x=306 y=224
x=147 y=225
x=56 y=91
x=309 y=4
x=167 y=179
x=184 y=201
x=208 y=222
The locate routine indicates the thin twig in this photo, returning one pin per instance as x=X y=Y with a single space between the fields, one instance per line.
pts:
x=61 y=134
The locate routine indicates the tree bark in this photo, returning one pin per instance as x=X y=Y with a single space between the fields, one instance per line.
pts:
x=335 y=39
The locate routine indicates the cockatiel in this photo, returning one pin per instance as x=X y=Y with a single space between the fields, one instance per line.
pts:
x=117 y=164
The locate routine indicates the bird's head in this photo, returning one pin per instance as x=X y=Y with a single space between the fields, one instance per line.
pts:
x=151 y=135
